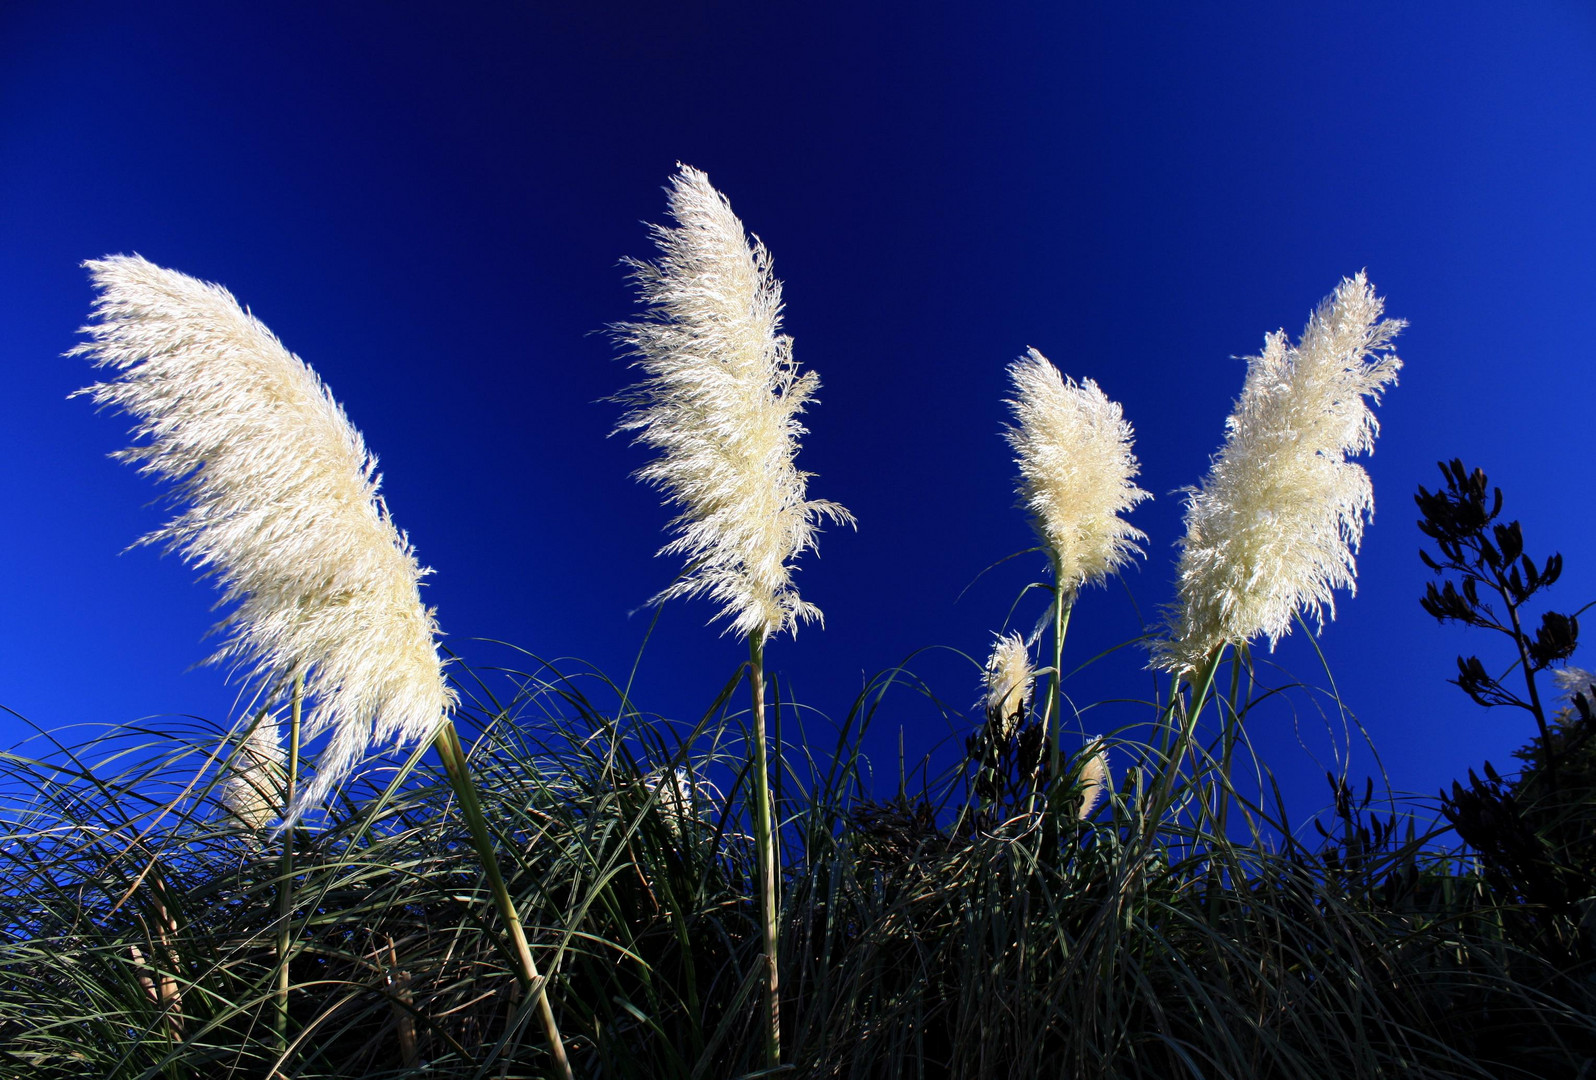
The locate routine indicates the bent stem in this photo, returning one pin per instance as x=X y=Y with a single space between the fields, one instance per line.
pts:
x=285 y=886
x=447 y=743
x=765 y=851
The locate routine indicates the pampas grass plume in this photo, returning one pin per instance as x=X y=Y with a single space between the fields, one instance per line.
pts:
x=1007 y=682
x=679 y=795
x=252 y=790
x=1276 y=524
x=719 y=401
x=1571 y=681
x=1094 y=778
x=279 y=504
x=1073 y=447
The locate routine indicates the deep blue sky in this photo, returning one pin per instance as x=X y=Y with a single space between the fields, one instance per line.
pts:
x=428 y=204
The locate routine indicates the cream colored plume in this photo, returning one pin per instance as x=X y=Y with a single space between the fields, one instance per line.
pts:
x=720 y=400
x=1073 y=447
x=1094 y=778
x=278 y=503
x=1573 y=680
x=1007 y=683
x=252 y=790
x=680 y=796
x=1274 y=528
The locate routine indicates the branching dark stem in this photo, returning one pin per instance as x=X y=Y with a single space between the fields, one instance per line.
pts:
x=1461 y=519
x=1525 y=660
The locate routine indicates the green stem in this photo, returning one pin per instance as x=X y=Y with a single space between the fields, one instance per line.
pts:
x=1232 y=734
x=1134 y=856
x=1164 y=790
x=765 y=852
x=1062 y=606
x=285 y=885
x=447 y=743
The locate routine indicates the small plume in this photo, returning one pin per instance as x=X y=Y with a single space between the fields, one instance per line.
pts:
x=1073 y=447
x=1573 y=680
x=678 y=795
x=1007 y=685
x=720 y=400
x=252 y=790
x=1274 y=528
x=1094 y=778
x=279 y=504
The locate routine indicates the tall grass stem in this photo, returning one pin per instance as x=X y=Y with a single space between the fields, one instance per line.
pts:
x=765 y=851
x=1232 y=732
x=447 y=743
x=285 y=886
x=1164 y=789
x=1063 y=605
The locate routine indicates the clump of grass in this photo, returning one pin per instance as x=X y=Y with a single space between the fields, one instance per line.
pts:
x=140 y=921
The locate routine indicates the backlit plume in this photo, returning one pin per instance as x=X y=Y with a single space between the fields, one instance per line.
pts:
x=1571 y=681
x=719 y=401
x=1094 y=778
x=252 y=790
x=279 y=503
x=1008 y=684
x=1073 y=447
x=680 y=795
x=1275 y=526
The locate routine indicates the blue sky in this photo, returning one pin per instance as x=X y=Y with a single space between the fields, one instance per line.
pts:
x=429 y=204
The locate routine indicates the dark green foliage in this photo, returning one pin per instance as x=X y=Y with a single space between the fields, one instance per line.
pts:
x=919 y=939
x=1536 y=833
x=1566 y=816
x=1482 y=552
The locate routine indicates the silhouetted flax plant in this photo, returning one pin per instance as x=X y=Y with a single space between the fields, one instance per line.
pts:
x=1533 y=833
x=719 y=402
x=279 y=504
x=1477 y=551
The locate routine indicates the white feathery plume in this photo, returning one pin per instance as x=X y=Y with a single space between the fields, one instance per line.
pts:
x=280 y=506
x=679 y=795
x=1007 y=684
x=1275 y=526
x=720 y=400
x=1073 y=447
x=252 y=790
x=1094 y=778
x=1573 y=680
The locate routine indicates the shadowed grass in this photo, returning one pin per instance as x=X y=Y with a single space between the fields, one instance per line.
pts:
x=935 y=934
